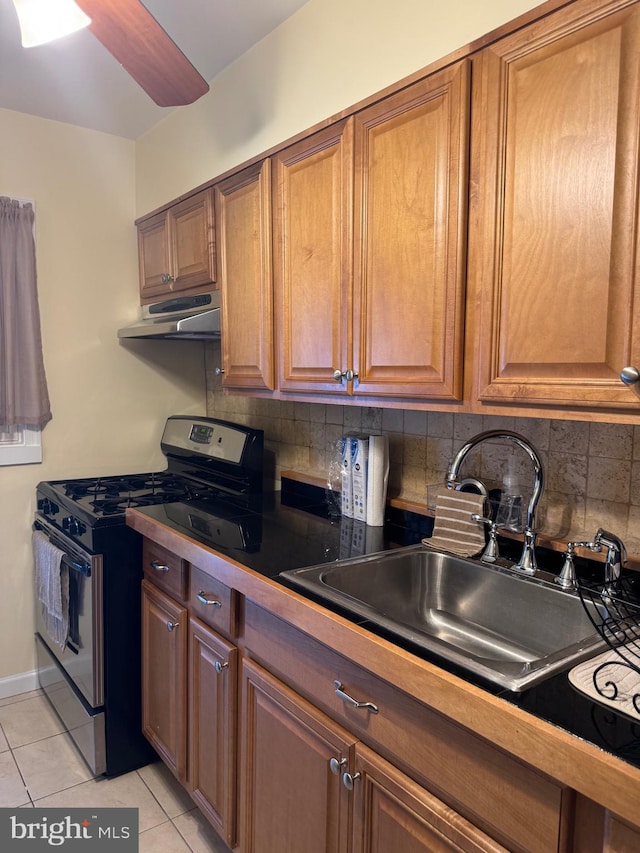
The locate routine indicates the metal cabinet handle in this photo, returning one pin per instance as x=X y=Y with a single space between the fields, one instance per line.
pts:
x=202 y=598
x=336 y=765
x=159 y=567
x=220 y=666
x=346 y=375
x=630 y=375
x=171 y=626
x=167 y=277
x=219 y=371
x=367 y=706
x=349 y=780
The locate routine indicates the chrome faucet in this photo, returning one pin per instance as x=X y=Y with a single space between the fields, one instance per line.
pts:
x=527 y=562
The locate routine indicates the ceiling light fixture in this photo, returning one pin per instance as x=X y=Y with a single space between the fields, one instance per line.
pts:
x=42 y=21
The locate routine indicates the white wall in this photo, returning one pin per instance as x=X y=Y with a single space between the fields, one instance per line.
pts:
x=109 y=402
x=325 y=58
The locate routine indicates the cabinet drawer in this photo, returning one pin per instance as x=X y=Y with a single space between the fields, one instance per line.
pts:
x=213 y=602
x=165 y=569
x=464 y=770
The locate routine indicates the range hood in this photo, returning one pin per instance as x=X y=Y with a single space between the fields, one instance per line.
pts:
x=189 y=318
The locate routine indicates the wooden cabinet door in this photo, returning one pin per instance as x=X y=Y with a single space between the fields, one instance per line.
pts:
x=291 y=800
x=554 y=237
x=176 y=249
x=313 y=258
x=212 y=727
x=164 y=677
x=243 y=213
x=411 y=155
x=391 y=812
x=192 y=233
x=620 y=837
x=154 y=257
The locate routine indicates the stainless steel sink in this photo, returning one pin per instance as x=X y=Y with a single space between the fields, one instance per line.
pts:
x=509 y=628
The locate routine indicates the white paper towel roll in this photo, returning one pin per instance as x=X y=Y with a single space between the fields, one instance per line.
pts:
x=377 y=479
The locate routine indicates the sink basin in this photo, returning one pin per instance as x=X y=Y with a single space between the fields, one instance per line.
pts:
x=511 y=629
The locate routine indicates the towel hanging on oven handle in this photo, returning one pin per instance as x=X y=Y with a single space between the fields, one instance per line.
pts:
x=76 y=566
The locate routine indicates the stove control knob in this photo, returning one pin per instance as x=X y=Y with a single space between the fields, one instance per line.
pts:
x=71 y=525
x=47 y=507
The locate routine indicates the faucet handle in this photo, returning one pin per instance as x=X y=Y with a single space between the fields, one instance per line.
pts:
x=490 y=553
x=567 y=578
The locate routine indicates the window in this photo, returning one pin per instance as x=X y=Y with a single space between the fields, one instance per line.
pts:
x=20 y=445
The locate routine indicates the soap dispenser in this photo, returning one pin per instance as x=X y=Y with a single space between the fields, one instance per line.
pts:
x=509 y=515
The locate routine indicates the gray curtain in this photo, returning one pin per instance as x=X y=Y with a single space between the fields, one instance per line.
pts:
x=24 y=399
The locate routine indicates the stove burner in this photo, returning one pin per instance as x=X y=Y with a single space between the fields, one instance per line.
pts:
x=160 y=488
x=82 y=488
x=114 y=501
x=117 y=505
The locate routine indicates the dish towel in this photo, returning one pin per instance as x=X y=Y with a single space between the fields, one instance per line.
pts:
x=620 y=684
x=52 y=587
x=453 y=529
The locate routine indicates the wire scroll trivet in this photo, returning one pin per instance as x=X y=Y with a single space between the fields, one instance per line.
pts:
x=614 y=610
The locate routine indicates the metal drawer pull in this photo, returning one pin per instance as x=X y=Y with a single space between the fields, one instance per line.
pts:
x=202 y=597
x=159 y=567
x=221 y=665
x=172 y=625
x=349 y=780
x=336 y=765
x=368 y=706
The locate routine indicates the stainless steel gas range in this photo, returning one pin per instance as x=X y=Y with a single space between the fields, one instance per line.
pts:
x=93 y=681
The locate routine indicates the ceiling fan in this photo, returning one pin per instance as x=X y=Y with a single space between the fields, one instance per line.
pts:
x=133 y=36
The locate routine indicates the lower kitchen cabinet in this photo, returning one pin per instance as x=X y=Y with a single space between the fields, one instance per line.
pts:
x=212 y=727
x=189 y=706
x=164 y=677
x=291 y=801
x=289 y=744
x=471 y=778
x=392 y=812
x=309 y=785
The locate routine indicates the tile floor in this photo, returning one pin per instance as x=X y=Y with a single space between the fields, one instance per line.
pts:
x=40 y=766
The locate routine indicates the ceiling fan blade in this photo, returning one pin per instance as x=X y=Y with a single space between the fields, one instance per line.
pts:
x=133 y=36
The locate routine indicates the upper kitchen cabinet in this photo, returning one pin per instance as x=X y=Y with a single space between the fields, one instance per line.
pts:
x=313 y=188
x=176 y=249
x=243 y=212
x=411 y=155
x=370 y=226
x=554 y=209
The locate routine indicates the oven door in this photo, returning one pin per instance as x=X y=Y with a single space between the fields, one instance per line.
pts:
x=82 y=657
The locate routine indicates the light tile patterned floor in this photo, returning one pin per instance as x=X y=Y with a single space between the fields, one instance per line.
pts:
x=40 y=766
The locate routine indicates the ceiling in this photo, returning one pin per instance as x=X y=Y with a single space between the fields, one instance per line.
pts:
x=77 y=81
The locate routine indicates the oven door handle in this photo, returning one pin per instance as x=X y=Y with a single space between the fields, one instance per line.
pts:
x=74 y=565
x=77 y=567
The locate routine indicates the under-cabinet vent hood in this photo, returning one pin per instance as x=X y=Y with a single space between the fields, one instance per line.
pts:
x=190 y=318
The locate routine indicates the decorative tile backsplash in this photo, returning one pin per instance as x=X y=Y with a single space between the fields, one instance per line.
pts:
x=592 y=470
